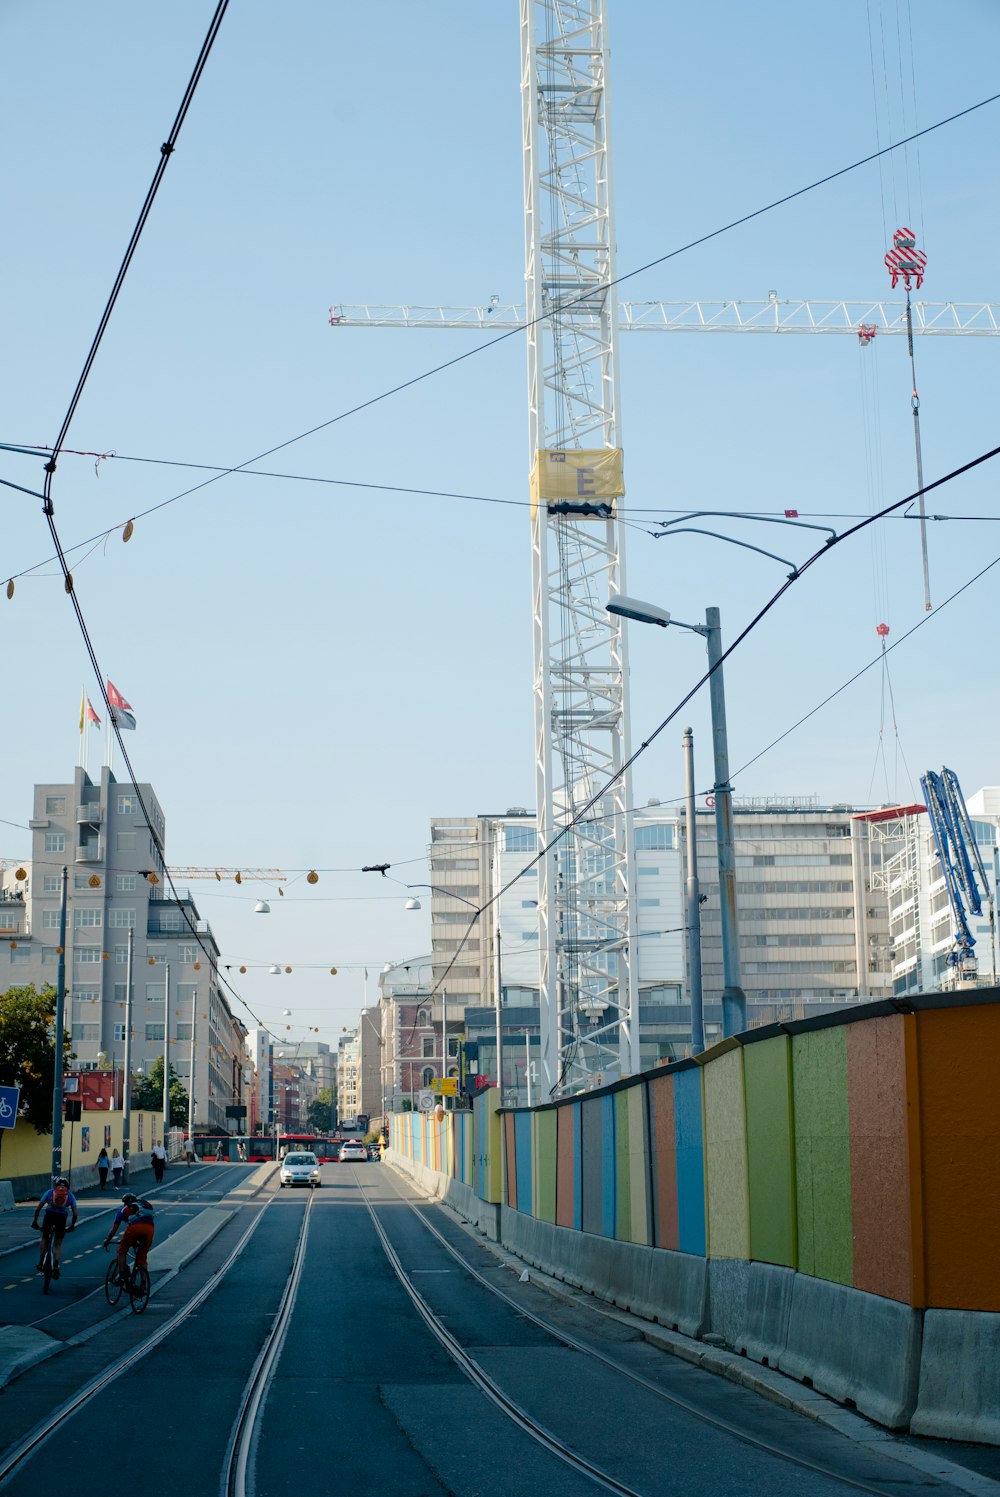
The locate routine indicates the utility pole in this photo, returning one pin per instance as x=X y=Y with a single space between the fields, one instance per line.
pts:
x=693 y=891
x=57 y=1080
x=194 y=1017
x=734 y=1001
x=127 y=1095
x=166 y=1053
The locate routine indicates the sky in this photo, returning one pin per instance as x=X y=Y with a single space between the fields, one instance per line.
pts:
x=318 y=668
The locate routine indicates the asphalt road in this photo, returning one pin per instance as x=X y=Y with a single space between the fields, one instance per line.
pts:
x=364 y=1399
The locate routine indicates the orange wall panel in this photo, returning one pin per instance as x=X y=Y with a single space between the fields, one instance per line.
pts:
x=880 y=1162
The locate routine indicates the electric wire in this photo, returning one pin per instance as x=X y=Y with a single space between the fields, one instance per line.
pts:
x=552 y=312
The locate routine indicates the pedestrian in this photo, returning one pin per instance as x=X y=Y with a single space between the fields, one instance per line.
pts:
x=241 y=1149
x=159 y=1155
x=221 y=1153
x=103 y=1165
x=117 y=1168
x=189 y=1151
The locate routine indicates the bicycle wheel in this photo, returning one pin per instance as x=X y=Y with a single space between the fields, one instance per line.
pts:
x=138 y=1289
x=112 y=1283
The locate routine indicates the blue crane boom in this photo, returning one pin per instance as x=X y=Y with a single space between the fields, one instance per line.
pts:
x=961 y=863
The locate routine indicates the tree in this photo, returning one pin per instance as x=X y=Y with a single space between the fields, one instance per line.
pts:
x=27 y=1050
x=320 y=1111
x=148 y=1094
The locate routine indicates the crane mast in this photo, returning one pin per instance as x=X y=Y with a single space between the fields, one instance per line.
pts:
x=586 y=898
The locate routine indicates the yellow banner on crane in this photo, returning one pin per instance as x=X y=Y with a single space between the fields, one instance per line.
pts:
x=578 y=480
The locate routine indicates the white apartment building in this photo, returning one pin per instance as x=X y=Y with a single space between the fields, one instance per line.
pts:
x=114 y=859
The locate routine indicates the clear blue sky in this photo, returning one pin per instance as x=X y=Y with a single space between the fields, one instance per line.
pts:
x=318 y=670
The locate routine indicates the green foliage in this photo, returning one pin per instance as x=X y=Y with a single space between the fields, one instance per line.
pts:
x=27 y=1050
x=320 y=1113
x=148 y=1094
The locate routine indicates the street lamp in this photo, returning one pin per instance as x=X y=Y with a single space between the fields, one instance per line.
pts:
x=734 y=1003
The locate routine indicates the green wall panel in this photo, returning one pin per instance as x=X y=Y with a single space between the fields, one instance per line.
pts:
x=822 y=1154
x=623 y=1175
x=545 y=1166
x=726 y=1157
x=767 y=1079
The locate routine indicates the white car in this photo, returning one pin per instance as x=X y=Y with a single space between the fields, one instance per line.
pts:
x=300 y=1169
x=353 y=1150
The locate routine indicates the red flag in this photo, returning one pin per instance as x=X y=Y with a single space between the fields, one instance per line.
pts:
x=92 y=716
x=121 y=712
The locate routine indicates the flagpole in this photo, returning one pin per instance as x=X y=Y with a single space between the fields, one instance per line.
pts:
x=83 y=728
x=111 y=742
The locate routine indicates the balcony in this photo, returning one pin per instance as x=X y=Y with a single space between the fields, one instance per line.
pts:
x=91 y=815
x=89 y=851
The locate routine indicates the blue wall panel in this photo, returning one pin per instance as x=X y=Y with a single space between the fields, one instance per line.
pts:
x=608 y=1166
x=522 y=1140
x=690 y=1161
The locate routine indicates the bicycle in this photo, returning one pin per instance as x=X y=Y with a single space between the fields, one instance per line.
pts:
x=136 y=1282
x=48 y=1260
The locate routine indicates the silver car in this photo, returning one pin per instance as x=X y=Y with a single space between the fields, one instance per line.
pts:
x=300 y=1169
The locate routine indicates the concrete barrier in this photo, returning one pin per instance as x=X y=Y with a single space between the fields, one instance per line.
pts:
x=678 y=1291
x=187 y=1242
x=6 y=1196
x=959 y=1392
x=728 y=1282
x=768 y=1305
x=859 y=1348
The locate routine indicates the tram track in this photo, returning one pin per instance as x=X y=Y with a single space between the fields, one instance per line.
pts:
x=565 y=1338
x=17 y=1455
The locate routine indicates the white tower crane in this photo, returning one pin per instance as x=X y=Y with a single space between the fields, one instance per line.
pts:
x=586 y=897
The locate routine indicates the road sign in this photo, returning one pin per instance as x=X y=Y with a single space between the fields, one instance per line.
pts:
x=425 y=1100
x=444 y=1086
x=10 y=1101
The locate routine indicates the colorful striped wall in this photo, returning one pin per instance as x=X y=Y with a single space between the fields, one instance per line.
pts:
x=862 y=1148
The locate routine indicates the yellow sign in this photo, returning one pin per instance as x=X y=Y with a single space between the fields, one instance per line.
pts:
x=584 y=480
x=444 y=1086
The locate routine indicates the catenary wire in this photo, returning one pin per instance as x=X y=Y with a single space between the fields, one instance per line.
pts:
x=523 y=327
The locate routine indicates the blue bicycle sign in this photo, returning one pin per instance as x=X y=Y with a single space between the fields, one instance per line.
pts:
x=10 y=1098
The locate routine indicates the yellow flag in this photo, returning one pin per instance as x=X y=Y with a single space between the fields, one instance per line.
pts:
x=83 y=706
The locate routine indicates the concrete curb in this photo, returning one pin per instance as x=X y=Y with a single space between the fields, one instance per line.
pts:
x=187 y=1242
x=21 y=1346
x=254 y=1183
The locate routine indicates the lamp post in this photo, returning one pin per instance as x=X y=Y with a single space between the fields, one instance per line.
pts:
x=57 y=1078
x=734 y=1003
x=693 y=892
x=127 y=1098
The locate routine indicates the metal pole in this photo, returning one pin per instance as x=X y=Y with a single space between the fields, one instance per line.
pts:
x=915 y=404
x=166 y=1054
x=444 y=1041
x=734 y=1001
x=693 y=902
x=127 y=1096
x=194 y=1017
x=527 y=1063
x=498 y=975
x=57 y=1079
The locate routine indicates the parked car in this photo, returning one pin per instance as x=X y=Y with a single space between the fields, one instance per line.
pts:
x=353 y=1150
x=300 y=1169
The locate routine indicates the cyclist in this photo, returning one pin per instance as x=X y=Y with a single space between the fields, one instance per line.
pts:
x=57 y=1204
x=137 y=1214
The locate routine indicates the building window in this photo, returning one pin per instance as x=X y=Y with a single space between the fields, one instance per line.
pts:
x=519 y=839
x=453 y=1046
x=55 y=805
x=125 y=841
x=154 y=1031
x=659 y=837
x=19 y=955
x=188 y=953
x=428 y=1076
x=121 y=992
x=86 y=1031
x=119 y=1031
x=126 y=883
x=648 y=904
x=55 y=841
x=154 y=992
x=84 y=918
x=87 y=954
x=529 y=935
x=186 y=991
x=80 y=880
x=50 y=919
x=648 y=872
x=427 y=1046
x=422 y=1018
x=529 y=904
x=182 y=1032
x=50 y=883
x=121 y=919
x=127 y=805
x=86 y=995
x=121 y=956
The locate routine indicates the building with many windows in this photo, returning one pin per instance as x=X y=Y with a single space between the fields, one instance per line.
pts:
x=114 y=861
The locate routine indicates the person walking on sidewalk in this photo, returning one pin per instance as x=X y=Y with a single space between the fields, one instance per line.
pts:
x=117 y=1168
x=189 y=1151
x=159 y=1155
x=103 y=1165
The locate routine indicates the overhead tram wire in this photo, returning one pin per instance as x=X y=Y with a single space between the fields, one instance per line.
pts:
x=748 y=629
x=512 y=332
x=166 y=151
